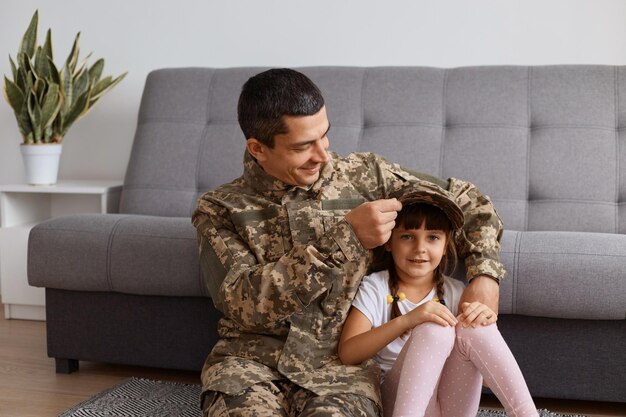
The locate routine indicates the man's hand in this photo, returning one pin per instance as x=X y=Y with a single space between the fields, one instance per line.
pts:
x=483 y=289
x=373 y=221
x=476 y=314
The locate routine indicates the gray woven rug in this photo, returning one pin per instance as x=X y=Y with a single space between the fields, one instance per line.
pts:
x=137 y=397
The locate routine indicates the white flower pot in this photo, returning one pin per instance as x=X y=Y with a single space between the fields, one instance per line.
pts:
x=41 y=163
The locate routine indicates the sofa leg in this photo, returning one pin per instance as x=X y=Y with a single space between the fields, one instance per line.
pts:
x=66 y=366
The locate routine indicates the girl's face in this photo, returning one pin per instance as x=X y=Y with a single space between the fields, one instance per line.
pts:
x=416 y=253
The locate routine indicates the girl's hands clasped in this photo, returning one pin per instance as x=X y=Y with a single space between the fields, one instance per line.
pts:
x=432 y=311
x=474 y=314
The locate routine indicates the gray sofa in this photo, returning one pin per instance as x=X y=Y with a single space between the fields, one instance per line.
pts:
x=547 y=144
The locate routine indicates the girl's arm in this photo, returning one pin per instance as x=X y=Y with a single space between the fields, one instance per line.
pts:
x=359 y=341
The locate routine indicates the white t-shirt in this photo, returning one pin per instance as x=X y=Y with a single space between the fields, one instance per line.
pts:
x=371 y=300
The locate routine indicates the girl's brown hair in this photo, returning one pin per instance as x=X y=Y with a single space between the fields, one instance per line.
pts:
x=412 y=217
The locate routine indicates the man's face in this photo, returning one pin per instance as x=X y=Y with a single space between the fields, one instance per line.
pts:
x=298 y=155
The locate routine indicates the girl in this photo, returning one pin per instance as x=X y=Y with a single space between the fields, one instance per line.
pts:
x=405 y=317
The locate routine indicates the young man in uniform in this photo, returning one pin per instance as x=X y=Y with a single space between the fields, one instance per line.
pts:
x=283 y=249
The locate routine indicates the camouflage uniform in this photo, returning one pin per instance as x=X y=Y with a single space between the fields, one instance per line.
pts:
x=283 y=265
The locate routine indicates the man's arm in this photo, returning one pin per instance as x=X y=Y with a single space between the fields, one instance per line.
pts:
x=479 y=241
x=255 y=293
x=483 y=289
x=479 y=245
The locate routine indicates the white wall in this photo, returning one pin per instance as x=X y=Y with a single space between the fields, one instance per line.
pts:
x=141 y=35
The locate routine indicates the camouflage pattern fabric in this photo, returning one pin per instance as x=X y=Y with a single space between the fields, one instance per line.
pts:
x=283 y=398
x=283 y=265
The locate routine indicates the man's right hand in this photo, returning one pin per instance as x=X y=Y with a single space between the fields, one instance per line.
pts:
x=373 y=221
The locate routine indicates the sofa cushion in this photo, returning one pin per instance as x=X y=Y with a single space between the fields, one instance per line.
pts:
x=129 y=254
x=571 y=275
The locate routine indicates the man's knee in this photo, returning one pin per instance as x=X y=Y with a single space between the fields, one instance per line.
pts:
x=260 y=400
x=213 y=405
x=340 y=405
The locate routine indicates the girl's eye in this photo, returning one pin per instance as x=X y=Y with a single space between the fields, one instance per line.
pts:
x=434 y=237
x=406 y=237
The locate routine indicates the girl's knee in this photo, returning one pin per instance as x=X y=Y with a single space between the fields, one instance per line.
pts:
x=464 y=334
x=434 y=332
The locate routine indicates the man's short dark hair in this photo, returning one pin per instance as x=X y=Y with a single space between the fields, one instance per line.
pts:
x=268 y=96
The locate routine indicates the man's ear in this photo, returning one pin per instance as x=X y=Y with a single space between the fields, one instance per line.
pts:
x=256 y=149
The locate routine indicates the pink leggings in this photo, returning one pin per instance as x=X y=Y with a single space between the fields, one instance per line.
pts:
x=440 y=369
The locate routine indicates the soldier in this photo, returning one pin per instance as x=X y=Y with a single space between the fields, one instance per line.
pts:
x=284 y=247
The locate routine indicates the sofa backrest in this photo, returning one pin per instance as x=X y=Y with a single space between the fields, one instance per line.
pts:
x=547 y=143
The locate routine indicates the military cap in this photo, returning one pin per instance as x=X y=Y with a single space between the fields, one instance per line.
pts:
x=429 y=193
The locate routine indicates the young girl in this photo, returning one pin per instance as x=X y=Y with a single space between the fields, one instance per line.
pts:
x=405 y=317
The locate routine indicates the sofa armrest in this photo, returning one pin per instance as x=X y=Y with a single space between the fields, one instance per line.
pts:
x=571 y=275
x=130 y=254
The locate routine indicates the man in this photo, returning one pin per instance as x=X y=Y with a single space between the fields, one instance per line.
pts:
x=284 y=247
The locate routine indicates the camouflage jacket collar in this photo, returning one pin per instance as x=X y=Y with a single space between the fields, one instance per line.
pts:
x=262 y=182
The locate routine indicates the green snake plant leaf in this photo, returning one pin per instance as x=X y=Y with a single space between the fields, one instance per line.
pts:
x=100 y=87
x=67 y=87
x=81 y=82
x=13 y=68
x=83 y=64
x=79 y=107
x=72 y=58
x=31 y=79
x=43 y=57
x=29 y=40
x=104 y=85
x=95 y=72
x=24 y=62
x=13 y=95
x=20 y=81
x=47 y=46
x=57 y=124
x=39 y=59
x=41 y=87
x=51 y=105
x=24 y=124
x=34 y=110
x=23 y=121
x=54 y=72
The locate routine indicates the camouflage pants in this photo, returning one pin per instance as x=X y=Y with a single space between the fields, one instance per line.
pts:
x=284 y=398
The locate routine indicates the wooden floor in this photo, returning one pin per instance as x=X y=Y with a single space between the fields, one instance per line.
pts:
x=29 y=386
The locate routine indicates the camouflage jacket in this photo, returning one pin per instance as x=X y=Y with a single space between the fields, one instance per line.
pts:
x=283 y=265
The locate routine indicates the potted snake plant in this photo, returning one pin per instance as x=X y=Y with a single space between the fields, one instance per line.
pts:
x=47 y=100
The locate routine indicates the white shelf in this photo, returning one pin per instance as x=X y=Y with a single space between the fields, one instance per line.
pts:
x=22 y=206
x=63 y=187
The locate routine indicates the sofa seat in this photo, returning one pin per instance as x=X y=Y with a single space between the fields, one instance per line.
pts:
x=124 y=254
x=117 y=253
